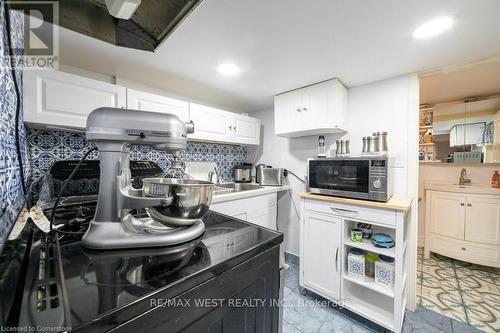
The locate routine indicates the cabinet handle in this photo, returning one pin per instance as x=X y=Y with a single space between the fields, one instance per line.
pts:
x=234 y=128
x=462 y=204
x=337 y=259
x=469 y=205
x=463 y=248
x=298 y=110
x=230 y=128
x=304 y=109
x=344 y=211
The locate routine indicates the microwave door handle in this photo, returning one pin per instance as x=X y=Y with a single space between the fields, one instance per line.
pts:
x=344 y=211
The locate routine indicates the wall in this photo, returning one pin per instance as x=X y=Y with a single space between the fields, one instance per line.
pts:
x=45 y=147
x=11 y=195
x=448 y=173
x=388 y=105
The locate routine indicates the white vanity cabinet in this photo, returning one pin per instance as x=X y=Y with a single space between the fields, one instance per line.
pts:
x=59 y=99
x=317 y=109
x=325 y=242
x=464 y=226
x=140 y=100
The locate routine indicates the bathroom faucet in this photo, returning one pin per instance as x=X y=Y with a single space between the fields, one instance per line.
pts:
x=215 y=172
x=463 y=178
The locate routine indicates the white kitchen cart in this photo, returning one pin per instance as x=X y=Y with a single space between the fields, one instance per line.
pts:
x=325 y=241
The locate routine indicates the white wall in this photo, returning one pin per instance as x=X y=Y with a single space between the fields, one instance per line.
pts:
x=289 y=153
x=449 y=173
x=379 y=106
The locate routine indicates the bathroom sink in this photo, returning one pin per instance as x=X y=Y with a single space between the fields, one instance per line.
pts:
x=235 y=187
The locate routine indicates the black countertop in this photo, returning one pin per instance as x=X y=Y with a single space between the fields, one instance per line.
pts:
x=103 y=288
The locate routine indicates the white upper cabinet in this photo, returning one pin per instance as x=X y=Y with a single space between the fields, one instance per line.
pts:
x=212 y=124
x=317 y=109
x=139 y=100
x=246 y=130
x=56 y=99
x=59 y=99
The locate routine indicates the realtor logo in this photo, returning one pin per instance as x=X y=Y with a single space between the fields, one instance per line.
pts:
x=40 y=32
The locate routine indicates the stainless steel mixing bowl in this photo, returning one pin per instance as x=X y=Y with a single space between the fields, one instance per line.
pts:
x=191 y=200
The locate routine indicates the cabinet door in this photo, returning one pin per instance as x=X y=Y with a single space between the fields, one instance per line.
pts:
x=246 y=130
x=287 y=111
x=448 y=214
x=264 y=217
x=139 y=100
x=60 y=99
x=321 y=254
x=210 y=124
x=483 y=220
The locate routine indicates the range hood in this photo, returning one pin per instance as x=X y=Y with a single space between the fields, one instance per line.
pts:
x=152 y=22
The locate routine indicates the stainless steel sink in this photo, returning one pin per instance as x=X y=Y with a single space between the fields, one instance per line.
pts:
x=234 y=187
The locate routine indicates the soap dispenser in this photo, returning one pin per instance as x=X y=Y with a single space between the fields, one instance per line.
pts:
x=495 y=180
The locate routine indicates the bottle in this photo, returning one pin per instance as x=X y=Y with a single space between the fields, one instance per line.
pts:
x=321 y=146
x=429 y=137
x=495 y=180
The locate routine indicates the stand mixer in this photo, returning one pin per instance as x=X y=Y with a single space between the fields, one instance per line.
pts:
x=114 y=226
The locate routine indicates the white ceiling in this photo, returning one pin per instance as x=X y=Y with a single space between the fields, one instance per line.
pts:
x=479 y=80
x=285 y=44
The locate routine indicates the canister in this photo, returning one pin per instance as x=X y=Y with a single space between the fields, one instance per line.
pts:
x=384 y=271
x=356 y=263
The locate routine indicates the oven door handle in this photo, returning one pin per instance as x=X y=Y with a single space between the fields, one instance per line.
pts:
x=343 y=211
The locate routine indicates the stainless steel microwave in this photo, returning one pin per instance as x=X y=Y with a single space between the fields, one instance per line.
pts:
x=351 y=177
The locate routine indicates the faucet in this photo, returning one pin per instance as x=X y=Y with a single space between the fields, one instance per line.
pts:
x=215 y=172
x=463 y=178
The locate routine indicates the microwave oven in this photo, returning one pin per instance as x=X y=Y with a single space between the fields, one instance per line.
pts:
x=365 y=178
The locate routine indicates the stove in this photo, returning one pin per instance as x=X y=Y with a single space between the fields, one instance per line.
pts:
x=68 y=287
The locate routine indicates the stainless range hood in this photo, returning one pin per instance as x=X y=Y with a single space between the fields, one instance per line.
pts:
x=151 y=23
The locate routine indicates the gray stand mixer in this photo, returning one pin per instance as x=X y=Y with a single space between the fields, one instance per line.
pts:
x=114 y=226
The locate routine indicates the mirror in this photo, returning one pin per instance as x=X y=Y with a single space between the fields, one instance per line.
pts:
x=461 y=132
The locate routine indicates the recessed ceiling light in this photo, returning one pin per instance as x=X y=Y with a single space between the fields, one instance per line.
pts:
x=433 y=28
x=228 y=69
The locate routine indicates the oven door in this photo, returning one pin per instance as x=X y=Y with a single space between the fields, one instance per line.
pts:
x=347 y=178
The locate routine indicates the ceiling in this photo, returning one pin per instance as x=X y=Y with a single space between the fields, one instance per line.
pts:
x=285 y=44
x=470 y=81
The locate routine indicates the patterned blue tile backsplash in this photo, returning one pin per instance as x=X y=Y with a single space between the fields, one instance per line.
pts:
x=11 y=193
x=48 y=146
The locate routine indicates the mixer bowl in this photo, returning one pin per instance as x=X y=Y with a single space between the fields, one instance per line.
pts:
x=191 y=200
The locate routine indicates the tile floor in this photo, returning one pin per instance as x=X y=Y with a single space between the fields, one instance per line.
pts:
x=303 y=314
x=465 y=292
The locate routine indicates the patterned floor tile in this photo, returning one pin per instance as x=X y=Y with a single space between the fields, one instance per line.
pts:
x=465 y=292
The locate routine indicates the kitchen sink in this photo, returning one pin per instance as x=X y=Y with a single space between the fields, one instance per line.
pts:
x=234 y=187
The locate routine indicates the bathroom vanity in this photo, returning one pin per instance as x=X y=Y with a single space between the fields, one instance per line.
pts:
x=463 y=222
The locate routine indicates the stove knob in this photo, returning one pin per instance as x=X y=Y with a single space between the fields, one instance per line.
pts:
x=377 y=183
